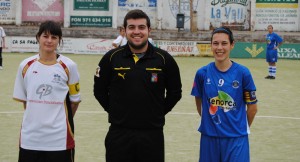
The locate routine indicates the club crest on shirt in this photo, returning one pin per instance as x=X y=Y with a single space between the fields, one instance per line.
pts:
x=235 y=84
x=57 y=79
x=154 y=78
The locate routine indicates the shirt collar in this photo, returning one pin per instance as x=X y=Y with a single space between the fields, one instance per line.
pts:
x=148 y=54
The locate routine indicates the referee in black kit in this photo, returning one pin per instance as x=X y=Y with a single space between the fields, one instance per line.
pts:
x=137 y=84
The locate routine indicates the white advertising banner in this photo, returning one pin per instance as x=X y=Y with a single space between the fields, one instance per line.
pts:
x=96 y=46
x=282 y=14
x=179 y=48
x=148 y=6
x=23 y=44
x=233 y=13
x=7 y=11
x=69 y=45
x=85 y=46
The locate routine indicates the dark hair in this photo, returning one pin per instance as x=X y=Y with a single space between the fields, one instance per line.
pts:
x=223 y=30
x=121 y=28
x=136 y=14
x=270 y=26
x=50 y=27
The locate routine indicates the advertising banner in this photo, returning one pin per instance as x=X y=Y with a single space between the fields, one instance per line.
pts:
x=148 y=6
x=233 y=13
x=7 y=11
x=178 y=48
x=23 y=44
x=91 y=21
x=69 y=45
x=282 y=14
x=36 y=11
x=175 y=48
x=86 y=46
x=258 y=50
x=99 y=5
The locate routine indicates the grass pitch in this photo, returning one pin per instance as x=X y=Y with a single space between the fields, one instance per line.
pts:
x=275 y=132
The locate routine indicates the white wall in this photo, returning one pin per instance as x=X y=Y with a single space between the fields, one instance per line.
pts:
x=210 y=13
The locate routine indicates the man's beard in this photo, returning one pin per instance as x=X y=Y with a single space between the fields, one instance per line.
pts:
x=138 y=46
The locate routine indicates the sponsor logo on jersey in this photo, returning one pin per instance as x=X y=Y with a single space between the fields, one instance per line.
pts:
x=44 y=90
x=224 y=101
x=208 y=81
x=122 y=75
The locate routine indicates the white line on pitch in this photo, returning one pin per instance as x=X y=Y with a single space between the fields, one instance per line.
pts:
x=278 y=117
x=172 y=113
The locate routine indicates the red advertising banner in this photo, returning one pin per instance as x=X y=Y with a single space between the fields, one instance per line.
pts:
x=40 y=10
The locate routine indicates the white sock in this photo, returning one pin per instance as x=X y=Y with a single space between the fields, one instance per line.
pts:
x=270 y=70
x=274 y=71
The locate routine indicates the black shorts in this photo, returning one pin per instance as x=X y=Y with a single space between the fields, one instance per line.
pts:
x=134 y=145
x=46 y=156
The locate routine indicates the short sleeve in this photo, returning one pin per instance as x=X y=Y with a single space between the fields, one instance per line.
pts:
x=19 y=87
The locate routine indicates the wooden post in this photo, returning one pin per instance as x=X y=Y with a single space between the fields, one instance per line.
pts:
x=193 y=18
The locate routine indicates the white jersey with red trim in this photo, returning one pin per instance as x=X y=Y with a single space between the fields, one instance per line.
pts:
x=2 y=35
x=47 y=89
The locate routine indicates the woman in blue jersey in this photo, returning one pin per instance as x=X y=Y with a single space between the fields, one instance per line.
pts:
x=225 y=99
x=273 y=43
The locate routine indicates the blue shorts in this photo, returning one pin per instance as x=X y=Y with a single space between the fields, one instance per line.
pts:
x=217 y=149
x=271 y=55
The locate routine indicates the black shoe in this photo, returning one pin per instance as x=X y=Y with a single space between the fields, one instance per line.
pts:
x=268 y=77
x=272 y=77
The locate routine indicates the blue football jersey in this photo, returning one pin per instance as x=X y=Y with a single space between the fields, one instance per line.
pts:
x=273 y=40
x=224 y=97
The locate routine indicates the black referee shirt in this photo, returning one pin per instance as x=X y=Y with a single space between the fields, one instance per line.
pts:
x=138 y=94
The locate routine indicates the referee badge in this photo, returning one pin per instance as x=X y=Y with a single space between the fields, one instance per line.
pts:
x=97 y=72
x=154 y=78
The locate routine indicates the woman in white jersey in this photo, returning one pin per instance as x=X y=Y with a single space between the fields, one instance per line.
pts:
x=48 y=85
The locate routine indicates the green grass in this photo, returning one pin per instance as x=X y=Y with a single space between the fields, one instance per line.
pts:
x=275 y=132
